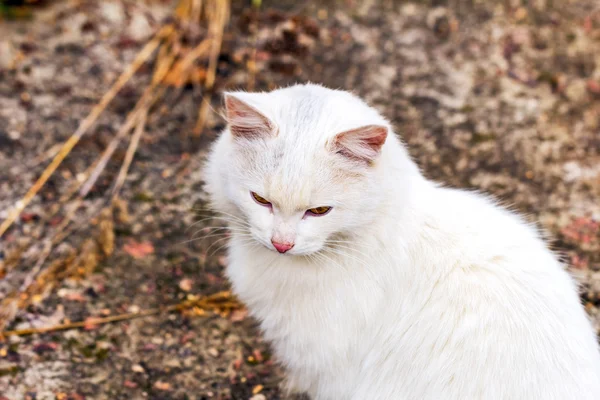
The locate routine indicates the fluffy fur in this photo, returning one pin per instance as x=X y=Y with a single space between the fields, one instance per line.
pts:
x=405 y=290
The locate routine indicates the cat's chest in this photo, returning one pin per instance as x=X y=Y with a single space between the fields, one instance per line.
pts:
x=326 y=312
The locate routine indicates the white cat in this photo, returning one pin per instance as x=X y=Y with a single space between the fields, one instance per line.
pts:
x=372 y=282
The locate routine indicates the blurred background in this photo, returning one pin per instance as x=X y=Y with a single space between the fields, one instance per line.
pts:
x=111 y=283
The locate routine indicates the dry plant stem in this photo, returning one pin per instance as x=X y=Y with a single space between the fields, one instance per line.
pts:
x=63 y=199
x=145 y=102
x=218 y=16
x=108 y=152
x=252 y=61
x=80 y=324
x=220 y=300
x=142 y=56
x=202 y=115
x=59 y=236
x=140 y=112
x=193 y=55
x=135 y=140
x=196 y=10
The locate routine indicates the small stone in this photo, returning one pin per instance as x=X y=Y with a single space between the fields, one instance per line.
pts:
x=139 y=29
x=258 y=397
x=577 y=91
x=213 y=352
x=158 y=340
x=185 y=284
x=137 y=368
x=113 y=12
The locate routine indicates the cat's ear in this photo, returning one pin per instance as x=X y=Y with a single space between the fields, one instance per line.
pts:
x=246 y=121
x=361 y=144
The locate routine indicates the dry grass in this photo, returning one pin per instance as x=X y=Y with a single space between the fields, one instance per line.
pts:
x=221 y=303
x=176 y=63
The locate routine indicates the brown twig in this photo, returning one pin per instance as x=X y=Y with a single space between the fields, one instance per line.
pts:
x=218 y=15
x=141 y=58
x=220 y=301
x=251 y=64
x=135 y=140
x=81 y=324
x=130 y=122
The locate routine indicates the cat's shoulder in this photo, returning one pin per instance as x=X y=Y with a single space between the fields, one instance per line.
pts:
x=478 y=218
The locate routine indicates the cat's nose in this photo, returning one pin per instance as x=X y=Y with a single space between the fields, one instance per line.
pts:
x=282 y=247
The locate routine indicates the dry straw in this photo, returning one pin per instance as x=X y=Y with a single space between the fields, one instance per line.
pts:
x=174 y=63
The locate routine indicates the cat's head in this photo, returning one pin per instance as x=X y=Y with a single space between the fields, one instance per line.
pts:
x=298 y=167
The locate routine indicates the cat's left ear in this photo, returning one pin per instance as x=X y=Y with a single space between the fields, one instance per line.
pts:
x=244 y=120
x=361 y=144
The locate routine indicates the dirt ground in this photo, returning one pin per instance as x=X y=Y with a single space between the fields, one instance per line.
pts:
x=504 y=99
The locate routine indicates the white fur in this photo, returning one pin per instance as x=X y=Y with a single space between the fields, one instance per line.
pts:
x=405 y=290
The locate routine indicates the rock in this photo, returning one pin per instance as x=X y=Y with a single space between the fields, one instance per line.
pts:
x=139 y=28
x=8 y=55
x=577 y=91
x=137 y=368
x=213 y=352
x=113 y=12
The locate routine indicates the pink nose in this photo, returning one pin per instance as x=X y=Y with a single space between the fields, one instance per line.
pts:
x=282 y=247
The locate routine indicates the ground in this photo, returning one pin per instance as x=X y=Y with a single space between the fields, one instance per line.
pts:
x=500 y=99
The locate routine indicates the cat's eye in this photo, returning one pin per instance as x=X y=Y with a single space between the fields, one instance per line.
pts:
x=260 y=200
x=318 y=211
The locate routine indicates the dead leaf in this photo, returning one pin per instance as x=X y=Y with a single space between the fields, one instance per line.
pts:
x=593 y=86
x=88 y=258
x=162 y=385
x=257 y=389
x=138 y=249
x=75 y=297
x=258 y=355
x=107 y=232
x=239 y=315
x=582 y=230
x=579 y=262
x=588 y=24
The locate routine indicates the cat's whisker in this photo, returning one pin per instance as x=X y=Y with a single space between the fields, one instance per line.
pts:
x=206 y=219
x=219 y=234
x=197 y=239
x=223 y=234
x=215 y=242
x=228 y=218
x=211 y=229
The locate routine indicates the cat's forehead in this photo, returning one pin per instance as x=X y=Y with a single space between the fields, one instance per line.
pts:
x=311 y=112
x=294 y=179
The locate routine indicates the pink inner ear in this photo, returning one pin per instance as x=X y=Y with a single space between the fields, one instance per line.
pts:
x=244 y=120
x=362 y=144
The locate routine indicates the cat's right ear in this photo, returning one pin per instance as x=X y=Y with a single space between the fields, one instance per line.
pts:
x=246 y=121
